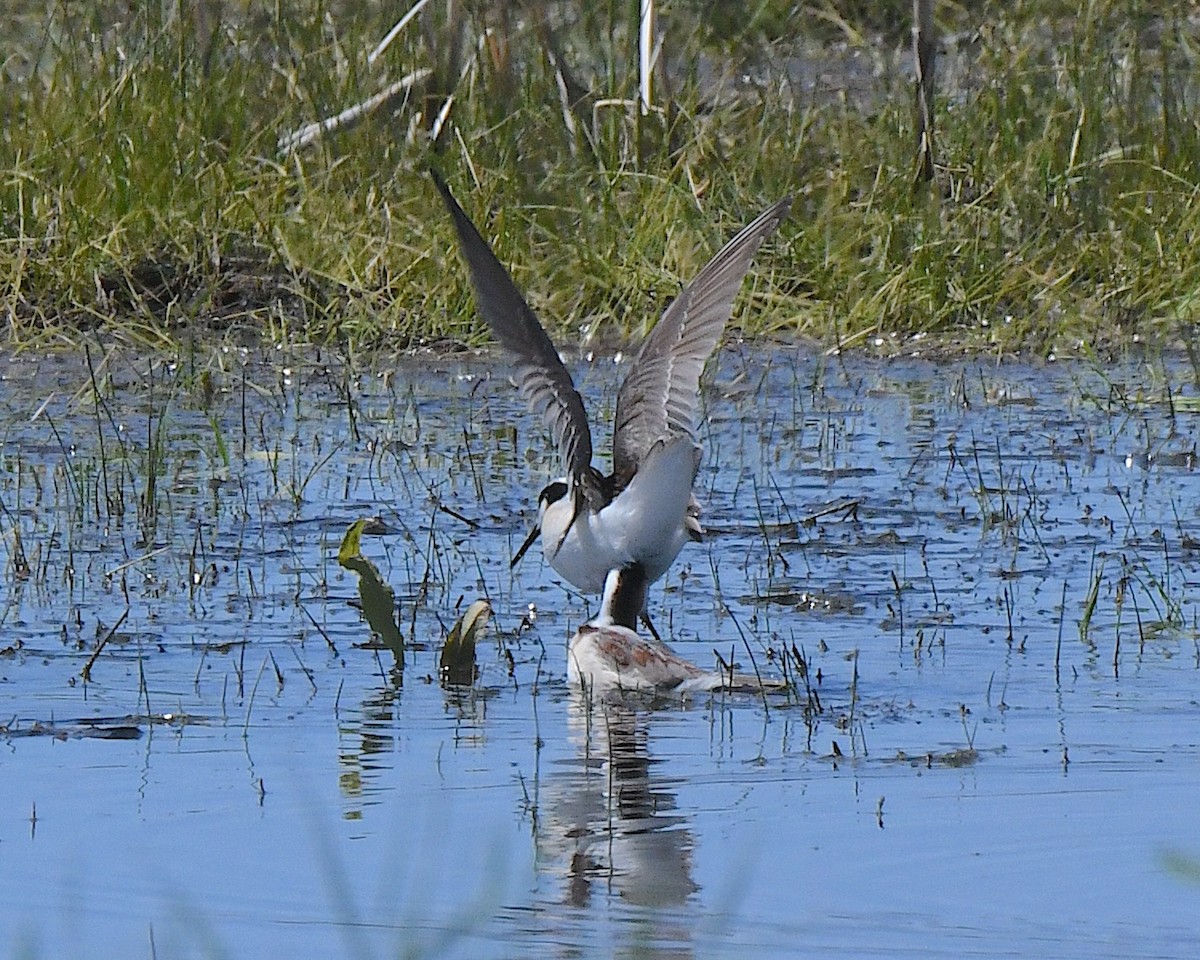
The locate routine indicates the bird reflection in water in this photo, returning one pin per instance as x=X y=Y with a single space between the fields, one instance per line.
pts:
x=608 y=823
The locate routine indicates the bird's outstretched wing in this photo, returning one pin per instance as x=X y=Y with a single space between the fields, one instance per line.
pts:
x=660 y=396
x=544 y=381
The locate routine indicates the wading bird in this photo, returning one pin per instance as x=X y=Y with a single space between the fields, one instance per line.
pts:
x=644 y=511
x=607 y=657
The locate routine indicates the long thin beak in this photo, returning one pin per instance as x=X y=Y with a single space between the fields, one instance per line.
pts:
x=533 y=535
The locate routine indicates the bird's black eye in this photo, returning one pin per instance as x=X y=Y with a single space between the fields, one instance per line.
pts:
x=553 y=493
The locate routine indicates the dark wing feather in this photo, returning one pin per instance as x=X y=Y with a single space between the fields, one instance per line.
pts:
x=659 y=398
x=543 y=379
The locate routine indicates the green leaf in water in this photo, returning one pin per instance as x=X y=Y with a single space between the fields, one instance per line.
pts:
x=457 y=666
x=378 y=600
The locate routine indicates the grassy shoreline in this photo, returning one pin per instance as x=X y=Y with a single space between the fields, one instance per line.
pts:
x=144 y=191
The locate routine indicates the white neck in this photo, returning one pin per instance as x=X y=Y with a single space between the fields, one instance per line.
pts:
x=624 y=597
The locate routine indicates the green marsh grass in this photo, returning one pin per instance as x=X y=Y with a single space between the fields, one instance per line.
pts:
x=142 y=187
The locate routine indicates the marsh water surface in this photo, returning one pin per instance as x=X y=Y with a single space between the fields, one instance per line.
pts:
x=990 y=574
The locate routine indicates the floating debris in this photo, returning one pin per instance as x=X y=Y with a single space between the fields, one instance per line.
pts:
x=94 y=728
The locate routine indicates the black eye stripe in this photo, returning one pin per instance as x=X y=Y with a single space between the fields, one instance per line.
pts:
x=553 y=493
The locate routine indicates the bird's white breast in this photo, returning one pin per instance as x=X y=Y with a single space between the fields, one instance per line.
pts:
x=645 y=524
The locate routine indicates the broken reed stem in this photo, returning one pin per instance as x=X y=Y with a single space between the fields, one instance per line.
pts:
x=1008 y=609
x=143 y=688
x=250 y=704
x=1062 y=617
x=853 y=698
x=321 y=630
x=899 y=606
x=86 y=673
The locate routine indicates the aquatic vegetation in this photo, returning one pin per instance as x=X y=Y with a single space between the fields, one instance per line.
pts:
x=909 y=545
x=152 y=184
x=456 y=665
x=377 y=598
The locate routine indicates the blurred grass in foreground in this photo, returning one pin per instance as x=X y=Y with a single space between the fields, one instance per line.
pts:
x=144 y=188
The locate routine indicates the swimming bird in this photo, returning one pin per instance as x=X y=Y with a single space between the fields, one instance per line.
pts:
x=644 y=511
x=607 y=657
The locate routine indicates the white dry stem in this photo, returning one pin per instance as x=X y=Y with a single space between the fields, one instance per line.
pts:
x=311 y=131
x=646 y=52
x=395 y=31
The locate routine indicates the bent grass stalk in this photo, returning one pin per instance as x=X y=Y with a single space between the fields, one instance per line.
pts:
x=1096 y=576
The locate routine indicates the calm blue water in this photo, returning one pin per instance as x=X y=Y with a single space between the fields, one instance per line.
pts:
x=241 y=776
